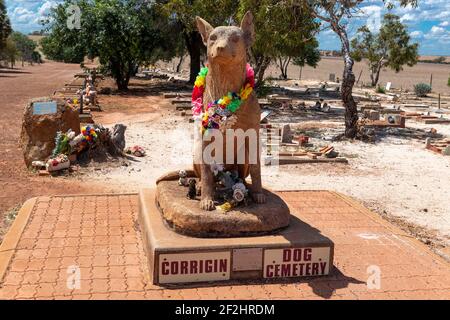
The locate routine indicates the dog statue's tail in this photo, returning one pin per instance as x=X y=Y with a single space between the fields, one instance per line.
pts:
x=173 y=176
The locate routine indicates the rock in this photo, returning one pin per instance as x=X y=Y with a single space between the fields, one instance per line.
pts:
x=118 y=139
x=39 y=131
x=185 y=216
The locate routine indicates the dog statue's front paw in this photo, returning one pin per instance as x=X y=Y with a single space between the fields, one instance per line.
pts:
x=259 y=197
x=207 y=205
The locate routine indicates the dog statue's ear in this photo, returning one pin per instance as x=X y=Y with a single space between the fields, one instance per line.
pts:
x=249 y=29
x=204 y=28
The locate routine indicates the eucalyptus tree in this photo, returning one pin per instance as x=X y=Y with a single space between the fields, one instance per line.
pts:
x=390 y=47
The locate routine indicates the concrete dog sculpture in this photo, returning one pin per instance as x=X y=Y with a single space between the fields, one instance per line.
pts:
x=227 y=68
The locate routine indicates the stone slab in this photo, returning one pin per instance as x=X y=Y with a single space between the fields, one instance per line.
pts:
x=170 y=254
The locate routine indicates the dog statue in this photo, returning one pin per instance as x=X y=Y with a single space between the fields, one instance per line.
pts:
x=227 y=69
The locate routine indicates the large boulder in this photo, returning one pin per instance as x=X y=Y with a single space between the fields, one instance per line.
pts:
x=39 y=130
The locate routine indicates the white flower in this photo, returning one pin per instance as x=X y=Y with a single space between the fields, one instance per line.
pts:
x=216 y=168
x=240 y=186
x=238 y=195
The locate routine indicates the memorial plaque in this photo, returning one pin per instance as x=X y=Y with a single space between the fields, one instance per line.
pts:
x=194 y=267
x=247 y=259
x=296 y=262
x=42 y=108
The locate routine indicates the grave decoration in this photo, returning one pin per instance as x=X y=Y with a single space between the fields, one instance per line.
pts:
x=136 y=151
x=57 y=163
x=91 y=142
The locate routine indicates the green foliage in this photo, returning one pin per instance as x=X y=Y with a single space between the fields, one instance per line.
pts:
x=25 y=46
x=390 y=48
x=180 y=14
x=10 y=52
x=5 y=26
x=284 y=31
x=381 y=89
x=264 y=88
x=422 y=89
x=123 y=34
x=448 y=82
x=310 y=55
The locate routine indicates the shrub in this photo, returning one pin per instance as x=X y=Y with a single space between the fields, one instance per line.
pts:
x=422 y=89
x=448 y=82
x=264 y=88
x=381 y=89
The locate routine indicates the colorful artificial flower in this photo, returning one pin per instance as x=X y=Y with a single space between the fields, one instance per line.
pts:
x=217 y=112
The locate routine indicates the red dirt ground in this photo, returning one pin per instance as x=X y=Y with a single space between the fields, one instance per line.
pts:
x=16 y=88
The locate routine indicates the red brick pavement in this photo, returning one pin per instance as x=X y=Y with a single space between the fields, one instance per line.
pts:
x=99 y=235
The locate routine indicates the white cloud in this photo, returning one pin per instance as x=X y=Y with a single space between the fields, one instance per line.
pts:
x=435 y=30
x=416 y=34
x=444 y=24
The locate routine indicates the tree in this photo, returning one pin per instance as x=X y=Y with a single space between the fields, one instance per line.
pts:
x=389 y=48
x=25 y=46
x=10 y=52
x=5 y=26
x=284 y=31
x=310 y=56
x=61 y=43
x=123 y=34
x=182 y=13
x=335 y=14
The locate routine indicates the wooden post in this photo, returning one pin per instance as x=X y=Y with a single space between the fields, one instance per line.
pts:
x=431 y=81
x=360 y=74
x=82 y=96
x=301 y=71
x=439 y=101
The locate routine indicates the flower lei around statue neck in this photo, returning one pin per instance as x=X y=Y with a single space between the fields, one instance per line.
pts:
x=220 y=112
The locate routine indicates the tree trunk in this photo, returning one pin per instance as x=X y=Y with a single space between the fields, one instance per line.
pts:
x=283 y=63
x=194 y=44
x=348 y=81
x=180 y=63
x=376 y=76
x=261 y=65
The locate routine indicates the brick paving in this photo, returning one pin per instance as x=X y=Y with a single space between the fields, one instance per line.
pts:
x=98 y=236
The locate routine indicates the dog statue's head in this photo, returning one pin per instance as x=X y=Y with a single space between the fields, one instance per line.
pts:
x=227 y=44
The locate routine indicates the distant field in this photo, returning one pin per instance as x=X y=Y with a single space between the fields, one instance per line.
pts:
x=405 y=79
x=432 y=58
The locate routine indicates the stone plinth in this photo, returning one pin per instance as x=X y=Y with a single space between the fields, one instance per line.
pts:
x=296 y=251
x=184 y=215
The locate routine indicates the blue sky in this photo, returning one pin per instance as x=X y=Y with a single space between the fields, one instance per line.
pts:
x=429 y=24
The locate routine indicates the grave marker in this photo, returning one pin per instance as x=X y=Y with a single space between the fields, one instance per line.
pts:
x=43 y=108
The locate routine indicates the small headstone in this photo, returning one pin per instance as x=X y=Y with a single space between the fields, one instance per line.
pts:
x=388 y=86
x=332 y=77
x=286 y=134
